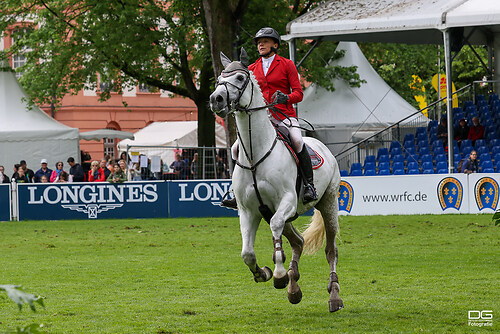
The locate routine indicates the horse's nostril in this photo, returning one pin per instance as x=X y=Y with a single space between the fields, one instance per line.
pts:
x=219 y=98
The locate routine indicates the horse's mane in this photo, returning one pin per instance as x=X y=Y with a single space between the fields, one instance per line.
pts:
x=257 y=90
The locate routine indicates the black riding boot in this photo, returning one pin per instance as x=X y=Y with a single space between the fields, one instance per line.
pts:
x=230 y=203
x=307 y=172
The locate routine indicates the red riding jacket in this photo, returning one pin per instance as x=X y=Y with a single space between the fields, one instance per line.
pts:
x=283 y=76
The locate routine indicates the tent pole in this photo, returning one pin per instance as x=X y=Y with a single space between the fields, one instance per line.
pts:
x=449 y=98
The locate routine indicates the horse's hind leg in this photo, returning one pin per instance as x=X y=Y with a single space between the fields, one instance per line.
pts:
x=297 y=244
x=329 y=207
x=248 y=226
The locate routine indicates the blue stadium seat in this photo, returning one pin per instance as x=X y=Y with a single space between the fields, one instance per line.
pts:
x=484 y=157
x=412 y=157
x=383 y=165
x=488 y=170
x=494 y=142
x=382 y=151
x=438 y=150
x=369 y=172
x=442 y=171
x=409 y=137
x=428 y=171
x=468 y=103
x=398 y=171
x=424 y=150
x=395 y=151
x=355 y=166
x=491 y=135
x=384 y=172
x=398 y=158
x=441 y=165
x=482 y=149
x=421 y=136
x=466 y=142
x=398 y=165
x=420 y=130
x=426 y=158
x=457 y=156
x=479 y=143
x=496 y=156
x=432 y=124
x=344 y=172
x=356 y=172
x=412 y=165
x=394 y=144
x=369 y=165
x=440 y=157
x=383 y=158
x=498 y=167
x=465 y=150
x=369 y=158
x=428 y=165
x=413 y=171
x=486 y=164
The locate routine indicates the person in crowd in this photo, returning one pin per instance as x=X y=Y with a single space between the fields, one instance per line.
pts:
x=3 y=178
x=476 y=131
x=96 y=174
x=118 y=175
x=55 y=173
x=44 y=170
x=76 y=170
x=178 y=166
x=194 y=167
x=110 y=164
x=44 y=179
x=471 y=164
x=63 y=177
x=28 y=172
x=134 y=173
x=221 y=168
x=103 y=165
x=123 y=166
x=462 y=131
x=442 y=131
x=21 y=176
x=146 y=173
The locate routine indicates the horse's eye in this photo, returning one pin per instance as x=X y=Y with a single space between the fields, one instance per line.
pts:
x=240 y=77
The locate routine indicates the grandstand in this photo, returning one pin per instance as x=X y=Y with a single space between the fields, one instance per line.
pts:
x=418 y=150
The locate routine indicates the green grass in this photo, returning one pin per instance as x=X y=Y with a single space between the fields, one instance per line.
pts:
x=398 y=274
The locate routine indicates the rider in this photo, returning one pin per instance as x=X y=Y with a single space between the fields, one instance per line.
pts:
x=279 y=82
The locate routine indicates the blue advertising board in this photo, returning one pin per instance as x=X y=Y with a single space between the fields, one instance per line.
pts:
x=5 y=202
x=198 y=198
x=93 y=200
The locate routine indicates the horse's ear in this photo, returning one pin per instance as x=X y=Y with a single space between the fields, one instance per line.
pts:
x=224 y=60
x=244 y=57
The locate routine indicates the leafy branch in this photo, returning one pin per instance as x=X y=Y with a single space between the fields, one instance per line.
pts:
x=20 y=297
x=496 y=218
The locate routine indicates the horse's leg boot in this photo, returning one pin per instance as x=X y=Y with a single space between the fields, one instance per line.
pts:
x=306 y=167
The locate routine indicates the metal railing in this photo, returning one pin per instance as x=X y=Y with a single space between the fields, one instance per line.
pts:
x=209 y=163
x=395 y=132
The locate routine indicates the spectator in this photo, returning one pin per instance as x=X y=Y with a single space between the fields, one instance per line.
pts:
x=16 y=168
x=442 y=131
x=123 y=166
x=63 y=177
x=76 y=170
x=28 y=172
x=103 y=166
x=96 y=174
x=3 y=178
x=471 y=165
x=462 y=131
x=221 y=168
x=55 y=174
x=476 y=131
x=134 y=173
x=44 y=170
x=178 y=166
x=194 y=167
x=146 y=173
x=44 y=179
x=21 y=176
x=118 y=175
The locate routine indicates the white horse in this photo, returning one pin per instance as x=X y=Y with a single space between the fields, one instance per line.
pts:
x=264 y=184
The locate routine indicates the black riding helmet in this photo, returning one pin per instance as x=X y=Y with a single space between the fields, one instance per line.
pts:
x=267 y=32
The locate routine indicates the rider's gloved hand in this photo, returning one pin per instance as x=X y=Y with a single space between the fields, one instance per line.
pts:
x=280 y=97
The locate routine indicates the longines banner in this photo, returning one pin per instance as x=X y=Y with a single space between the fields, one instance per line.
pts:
x=198 y=198
x=93 y=200
x=4 y=202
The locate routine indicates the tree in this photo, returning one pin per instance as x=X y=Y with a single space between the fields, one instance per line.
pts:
x=71 y=43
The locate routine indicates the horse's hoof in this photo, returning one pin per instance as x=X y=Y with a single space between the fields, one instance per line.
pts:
x=296 y=297
x=335 y=305
x=281 y=283
x=264 y=275
x=268 y=272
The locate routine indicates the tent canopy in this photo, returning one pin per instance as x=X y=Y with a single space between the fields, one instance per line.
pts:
x=168 y=134
x=398 y=21
x=106 y=133
x=373 y=105
x=27 y=132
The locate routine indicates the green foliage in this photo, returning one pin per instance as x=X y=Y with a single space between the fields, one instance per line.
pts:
x=496 y=218
x=398 y=274
x=20 y=297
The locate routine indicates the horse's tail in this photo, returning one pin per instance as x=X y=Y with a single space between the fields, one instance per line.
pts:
x=314 y=235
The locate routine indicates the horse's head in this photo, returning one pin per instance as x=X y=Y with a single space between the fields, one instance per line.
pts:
x=231 y=85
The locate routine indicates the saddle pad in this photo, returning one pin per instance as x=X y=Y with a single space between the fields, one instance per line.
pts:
x=316 y=159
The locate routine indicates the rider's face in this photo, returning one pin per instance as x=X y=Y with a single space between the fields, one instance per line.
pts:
x=264 y=45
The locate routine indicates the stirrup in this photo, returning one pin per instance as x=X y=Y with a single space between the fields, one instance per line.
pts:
x=230 y=203
x=309 y=194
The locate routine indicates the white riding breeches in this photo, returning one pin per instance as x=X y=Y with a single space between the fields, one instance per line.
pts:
x=295 y=136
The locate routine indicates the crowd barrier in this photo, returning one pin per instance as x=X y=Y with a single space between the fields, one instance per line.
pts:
x=370 y=195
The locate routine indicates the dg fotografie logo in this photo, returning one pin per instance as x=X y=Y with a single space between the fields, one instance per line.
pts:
x=480 y=318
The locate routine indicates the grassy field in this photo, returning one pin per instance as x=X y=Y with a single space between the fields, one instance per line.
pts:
x=398 y=274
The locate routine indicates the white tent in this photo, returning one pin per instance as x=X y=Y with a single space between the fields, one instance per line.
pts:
x=161 y=139
x=28 y=133
x=351 y=113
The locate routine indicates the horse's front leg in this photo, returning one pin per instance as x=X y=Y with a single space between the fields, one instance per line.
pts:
x=249 y=224
x=297 y=244
x=285 y=210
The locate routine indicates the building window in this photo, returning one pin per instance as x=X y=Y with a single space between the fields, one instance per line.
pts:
x=18 y=60
x=109 y=147
x=144 y=88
